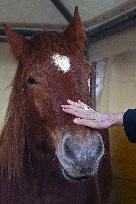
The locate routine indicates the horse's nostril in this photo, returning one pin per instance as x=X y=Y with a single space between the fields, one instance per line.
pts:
x=68 y=151
x=97 y=147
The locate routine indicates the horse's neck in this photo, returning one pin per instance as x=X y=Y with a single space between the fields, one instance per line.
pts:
x=34 y=161
x=41 y=182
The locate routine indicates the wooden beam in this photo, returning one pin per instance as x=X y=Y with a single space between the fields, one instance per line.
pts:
x=111 y=13
x=62 y=9
x=117 y=24
x=29 y=29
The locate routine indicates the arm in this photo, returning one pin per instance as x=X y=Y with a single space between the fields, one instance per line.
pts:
x=129 y=122
x=116 y=119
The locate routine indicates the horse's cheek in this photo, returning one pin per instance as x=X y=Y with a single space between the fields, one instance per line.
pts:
x=39 y=107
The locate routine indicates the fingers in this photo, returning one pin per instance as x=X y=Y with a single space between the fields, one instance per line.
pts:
x=67 y=106
x=92 y=123
x=70 y=107
x=78 y=109
x=84 y=105
x=85 y=122
x=81 y=103
x=70 y=102
x=78 y=104
x=70 y=110
x=74 y=111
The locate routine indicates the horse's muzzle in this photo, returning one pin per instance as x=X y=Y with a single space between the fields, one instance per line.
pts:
x=79 y=158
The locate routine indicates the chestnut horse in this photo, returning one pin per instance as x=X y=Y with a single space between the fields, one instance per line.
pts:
x=44 y=157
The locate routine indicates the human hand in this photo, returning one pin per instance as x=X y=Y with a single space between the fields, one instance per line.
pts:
x=87 y=116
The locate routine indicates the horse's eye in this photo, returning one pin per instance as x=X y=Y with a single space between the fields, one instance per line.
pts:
x=31 y=81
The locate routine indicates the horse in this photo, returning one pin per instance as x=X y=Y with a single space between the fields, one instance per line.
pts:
x=44 y=157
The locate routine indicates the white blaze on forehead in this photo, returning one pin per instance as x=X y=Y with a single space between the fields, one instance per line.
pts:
x=62 y=62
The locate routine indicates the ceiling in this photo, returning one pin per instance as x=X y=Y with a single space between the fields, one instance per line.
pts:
x=96 y=15
x=45 y=12
x=92 y=8
x=30 y=11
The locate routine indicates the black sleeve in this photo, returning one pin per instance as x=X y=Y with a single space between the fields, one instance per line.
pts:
x=129 y=122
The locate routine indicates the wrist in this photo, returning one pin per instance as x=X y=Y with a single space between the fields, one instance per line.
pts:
x=116 y=119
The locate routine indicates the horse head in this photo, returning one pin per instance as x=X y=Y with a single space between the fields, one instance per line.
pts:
x=52 y=68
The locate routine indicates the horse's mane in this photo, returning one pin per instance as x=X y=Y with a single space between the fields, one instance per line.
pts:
x=13 y=135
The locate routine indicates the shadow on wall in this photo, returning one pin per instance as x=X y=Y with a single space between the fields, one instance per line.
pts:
x=100 y=71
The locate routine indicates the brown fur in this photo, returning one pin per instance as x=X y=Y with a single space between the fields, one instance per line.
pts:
x=35 y=124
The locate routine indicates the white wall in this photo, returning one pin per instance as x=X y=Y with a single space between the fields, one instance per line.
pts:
x=113 y=45
x=119 y=94
x=7 y=70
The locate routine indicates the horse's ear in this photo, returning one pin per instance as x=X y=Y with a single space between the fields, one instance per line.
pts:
x=75 y=30
x=20 y=46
